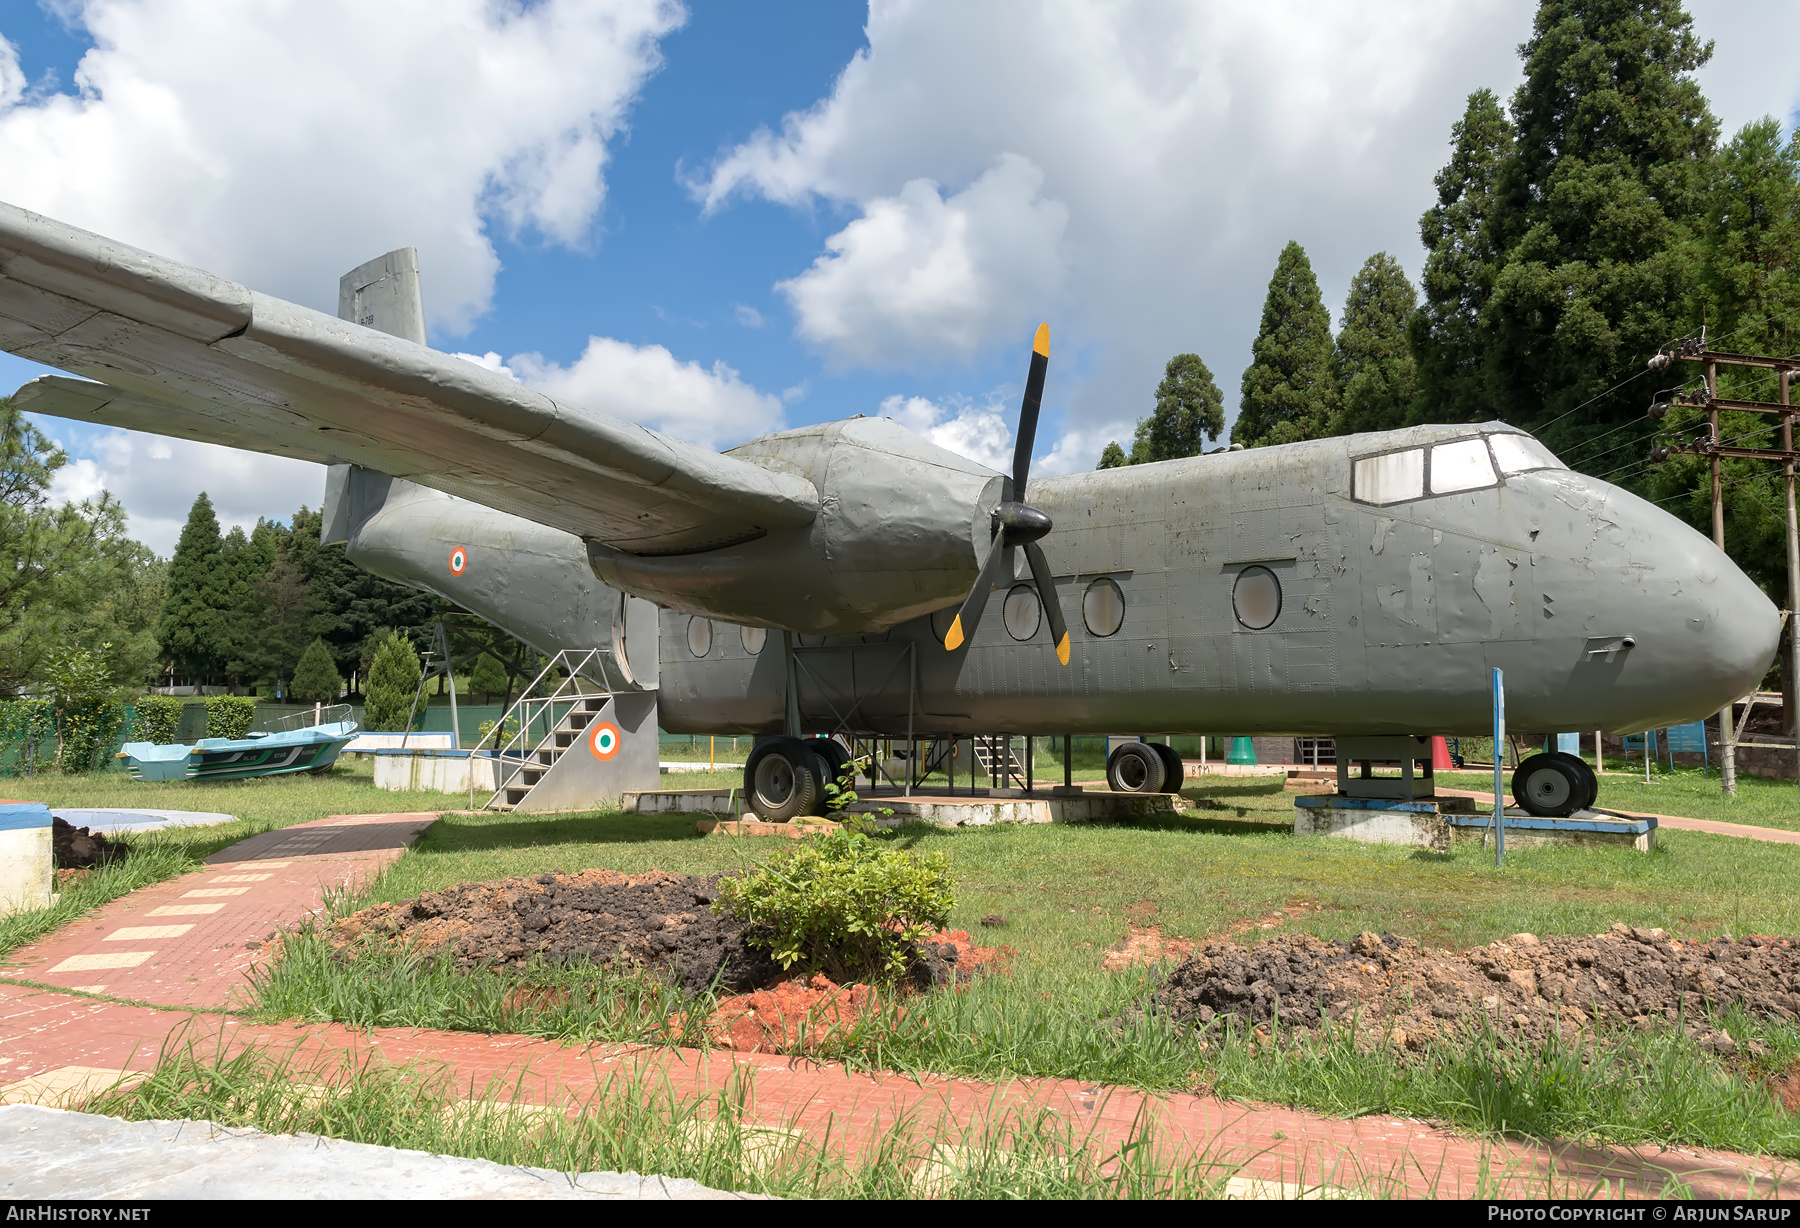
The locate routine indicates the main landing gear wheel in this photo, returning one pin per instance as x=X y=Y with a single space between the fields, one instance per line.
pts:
x=1549 y=786
x=837 y=759
x=1135 y=768
x=1174 y=770
x=783 y=779
x=1590 y=789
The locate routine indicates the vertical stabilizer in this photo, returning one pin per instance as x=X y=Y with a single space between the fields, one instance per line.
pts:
x=384 y=295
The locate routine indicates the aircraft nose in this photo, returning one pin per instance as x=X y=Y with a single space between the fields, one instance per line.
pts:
x=1710 y=634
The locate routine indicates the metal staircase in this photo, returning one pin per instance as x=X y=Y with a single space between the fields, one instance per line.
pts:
x=550 y=717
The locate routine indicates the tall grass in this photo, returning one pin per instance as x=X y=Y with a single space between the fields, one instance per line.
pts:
x=149 y=860
x=637 y=1122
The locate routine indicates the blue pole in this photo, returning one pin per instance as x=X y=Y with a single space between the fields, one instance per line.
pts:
x=1499 y=789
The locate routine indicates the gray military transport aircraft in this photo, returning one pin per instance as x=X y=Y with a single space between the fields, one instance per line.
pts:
x=1355 y=586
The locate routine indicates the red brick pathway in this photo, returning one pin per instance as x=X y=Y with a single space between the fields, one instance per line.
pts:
x=43 y=1032
x=182 y=942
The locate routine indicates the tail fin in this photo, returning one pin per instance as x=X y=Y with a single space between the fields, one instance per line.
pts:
x=384 y=295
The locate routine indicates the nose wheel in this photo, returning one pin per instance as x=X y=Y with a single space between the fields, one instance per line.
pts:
x=1554 y=785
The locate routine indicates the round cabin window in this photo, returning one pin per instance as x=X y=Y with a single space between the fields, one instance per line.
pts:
x=754 y=638
x=1023 y=614
x=699 y=636
x=1256 y=598
x=1103 y=608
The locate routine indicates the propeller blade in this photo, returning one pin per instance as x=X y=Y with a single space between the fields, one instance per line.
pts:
x=1028 y=411
x=1040 y=574
x=969 y=617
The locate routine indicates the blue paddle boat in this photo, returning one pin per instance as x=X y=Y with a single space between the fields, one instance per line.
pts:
x=273 y=752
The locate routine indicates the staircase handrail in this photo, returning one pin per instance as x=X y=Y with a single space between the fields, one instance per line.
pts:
x=528 y=707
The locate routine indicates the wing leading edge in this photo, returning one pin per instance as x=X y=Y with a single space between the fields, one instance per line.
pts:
x=180 y=352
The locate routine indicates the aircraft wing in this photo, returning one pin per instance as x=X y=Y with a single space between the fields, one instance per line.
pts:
x=180 y=352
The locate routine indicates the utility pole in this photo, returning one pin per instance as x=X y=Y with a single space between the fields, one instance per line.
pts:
x=1715 y=450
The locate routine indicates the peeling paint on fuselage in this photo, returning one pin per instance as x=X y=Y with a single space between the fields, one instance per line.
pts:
x=1391 y=617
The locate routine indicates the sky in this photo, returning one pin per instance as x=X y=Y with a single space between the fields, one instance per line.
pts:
x=723 y=219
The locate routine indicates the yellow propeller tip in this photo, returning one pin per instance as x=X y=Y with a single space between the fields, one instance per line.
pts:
x=1062 y=649
x=1040 y=344
x=954 y=640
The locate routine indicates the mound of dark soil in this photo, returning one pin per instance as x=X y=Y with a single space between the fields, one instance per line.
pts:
x=661 y=921
x=76 y=848
x=1524 y=988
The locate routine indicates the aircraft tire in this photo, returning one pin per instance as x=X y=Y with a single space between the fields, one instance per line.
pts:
x=783 y=780
x=1135 y=768
x=1548 y=787
x=833 y=753
x=1174 y=770
x=1590 y=783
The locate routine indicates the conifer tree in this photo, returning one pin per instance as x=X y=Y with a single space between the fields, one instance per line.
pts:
x=1188 y=411
x=316 y=679
x=1373 y=360
x=393 y=681
x=1112 y=456
x=193 y=628
x=1460 y=266
x=1288 y=390
x=489 y=679
x=1594 y=212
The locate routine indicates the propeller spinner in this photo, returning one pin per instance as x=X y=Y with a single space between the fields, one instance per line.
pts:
x=1017 y=524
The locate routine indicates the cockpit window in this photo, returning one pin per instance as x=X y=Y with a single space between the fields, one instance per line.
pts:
x=1391 y=478
x=1463 y=465
x=1519 y=453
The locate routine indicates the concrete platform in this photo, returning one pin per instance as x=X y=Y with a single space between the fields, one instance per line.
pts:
x=50 y=1153
x=1437 y=822
x=117 y=819
x=941 y=810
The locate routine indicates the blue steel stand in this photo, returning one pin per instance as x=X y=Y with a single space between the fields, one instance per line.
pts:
x=1499 y=791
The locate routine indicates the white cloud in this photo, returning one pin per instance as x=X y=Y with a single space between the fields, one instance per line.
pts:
x=156 y=478
x=1185 y=142
x=282 y=144
x=919 y=276
x=748 y=316
x=979 y=432
x=647 y=384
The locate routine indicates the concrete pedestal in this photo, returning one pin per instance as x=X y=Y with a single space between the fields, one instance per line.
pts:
x=27 y=859
x=441 y=771
x=1437 y=822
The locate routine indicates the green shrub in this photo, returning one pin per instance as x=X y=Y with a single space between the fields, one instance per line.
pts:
x=489 y=679
x=26 y=723
x=229 y=716
x=393 y=683
x=316 y=679
x=156 y=718
x=842 y=904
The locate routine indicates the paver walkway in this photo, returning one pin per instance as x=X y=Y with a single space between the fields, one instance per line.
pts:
x=53 y=1044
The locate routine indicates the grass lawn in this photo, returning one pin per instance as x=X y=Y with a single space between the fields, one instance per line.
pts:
x=1686 y=791
x=1068 y=893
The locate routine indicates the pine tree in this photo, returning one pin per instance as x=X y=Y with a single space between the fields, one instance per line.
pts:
x=393 y=681
x=490 y=680
x=1288 y=390
x=193 y=628
x=1188 y=410
x=1112 y=456
x=1373 y=360
x=1614 y=146
x=1460 y=266
x=316 y=678
x=247 y=560
x=348 y=604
